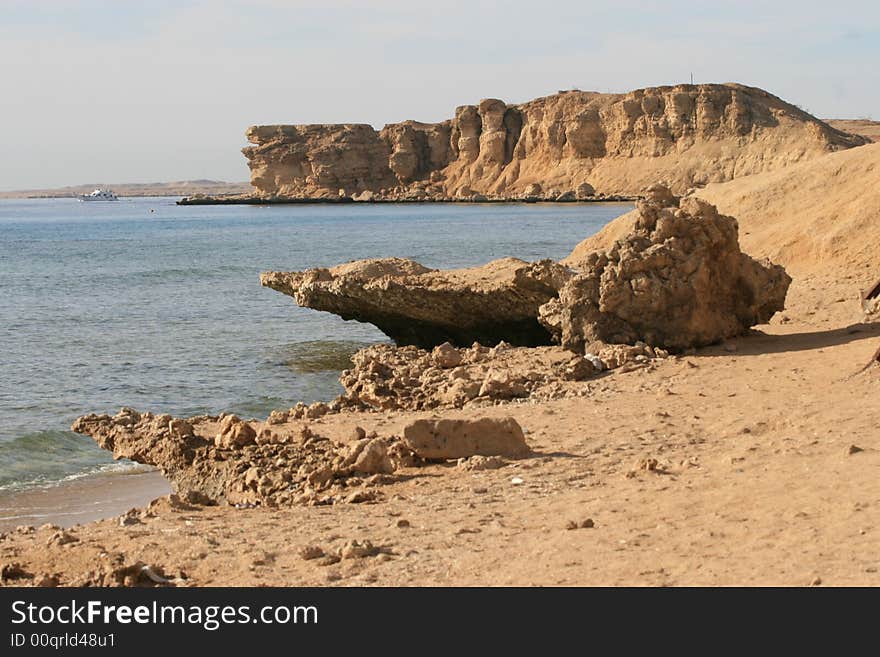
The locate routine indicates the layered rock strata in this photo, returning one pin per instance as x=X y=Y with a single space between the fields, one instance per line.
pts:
x=415 y=305
x=568 y=146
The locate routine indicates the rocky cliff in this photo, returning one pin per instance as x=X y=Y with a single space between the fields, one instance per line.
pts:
x=572 y=144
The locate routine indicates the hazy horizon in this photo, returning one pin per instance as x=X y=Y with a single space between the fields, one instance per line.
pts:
x=124 y=93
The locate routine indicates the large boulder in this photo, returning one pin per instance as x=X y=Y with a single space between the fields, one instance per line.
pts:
x=677 y=280
x=415 y=305
x=454 y=439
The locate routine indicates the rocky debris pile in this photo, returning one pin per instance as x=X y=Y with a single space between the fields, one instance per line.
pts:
x=415 y=305
x=216 y=459
x=385 y=377
x=448 y=439
x=678 y=280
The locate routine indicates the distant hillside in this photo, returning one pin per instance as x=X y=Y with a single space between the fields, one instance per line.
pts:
x=863 y=127
x=177 y=188
x=817 y=216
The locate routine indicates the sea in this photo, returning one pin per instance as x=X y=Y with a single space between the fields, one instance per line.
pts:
x=147 y=304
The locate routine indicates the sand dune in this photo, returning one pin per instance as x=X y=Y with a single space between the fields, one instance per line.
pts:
x=816 y=217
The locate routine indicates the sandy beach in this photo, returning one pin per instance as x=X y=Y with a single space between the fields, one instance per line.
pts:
x=81 y=500
x=752 y=462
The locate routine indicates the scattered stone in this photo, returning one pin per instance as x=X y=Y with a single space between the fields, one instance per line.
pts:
x=446 y=356
x=362 y=496
x=310 y=552
x=854 y=449
x=11 y=572
x=234 y=433
x=61 y=538
x=477 y=463
x=47 y=581
x=516 y=481
x=358 y=550
x=373 y=458
x=403 y=523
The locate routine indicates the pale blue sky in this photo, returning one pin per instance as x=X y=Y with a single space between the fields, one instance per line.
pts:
x=153 y=91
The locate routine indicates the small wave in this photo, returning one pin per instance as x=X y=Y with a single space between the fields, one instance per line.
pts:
x=48 y=458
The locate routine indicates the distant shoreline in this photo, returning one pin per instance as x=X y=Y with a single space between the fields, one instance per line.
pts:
x=253 y=200
x=136 y=190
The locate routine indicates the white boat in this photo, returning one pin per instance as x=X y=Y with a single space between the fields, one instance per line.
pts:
x=99 y=195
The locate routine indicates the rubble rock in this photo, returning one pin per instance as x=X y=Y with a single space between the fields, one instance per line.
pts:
x=308 y=470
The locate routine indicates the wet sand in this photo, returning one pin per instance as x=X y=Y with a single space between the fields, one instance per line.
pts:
x=81 y=500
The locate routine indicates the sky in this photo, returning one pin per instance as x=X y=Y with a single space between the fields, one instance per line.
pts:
x=100 y=91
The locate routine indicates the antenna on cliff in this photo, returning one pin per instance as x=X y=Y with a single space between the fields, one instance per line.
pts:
x=692 y=78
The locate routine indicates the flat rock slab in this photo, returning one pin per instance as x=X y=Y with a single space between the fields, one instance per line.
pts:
x=455 y=439
x=425 y=307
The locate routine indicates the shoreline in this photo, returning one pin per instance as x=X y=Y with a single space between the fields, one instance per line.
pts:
x=713 y=482
x=252 y=200
x=80 y=501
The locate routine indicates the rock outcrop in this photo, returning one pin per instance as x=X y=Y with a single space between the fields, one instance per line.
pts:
x=224 y=459
x=678 y=280
x=567 y=146
x=415 y=305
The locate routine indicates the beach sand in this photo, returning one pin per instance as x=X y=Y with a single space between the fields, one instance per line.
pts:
x=80 y=500
x=765 y=454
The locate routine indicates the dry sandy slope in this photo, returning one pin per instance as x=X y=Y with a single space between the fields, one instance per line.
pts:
x=863 y=127
x=759 y=485
x=821 y=216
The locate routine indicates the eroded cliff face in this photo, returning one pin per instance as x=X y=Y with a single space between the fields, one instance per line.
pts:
x=571 y=144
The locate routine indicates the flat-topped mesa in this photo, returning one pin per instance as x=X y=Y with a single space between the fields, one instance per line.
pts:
x=425 y=307
x=571 y=145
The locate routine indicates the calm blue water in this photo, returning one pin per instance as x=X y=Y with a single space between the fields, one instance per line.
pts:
x=104 y=305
